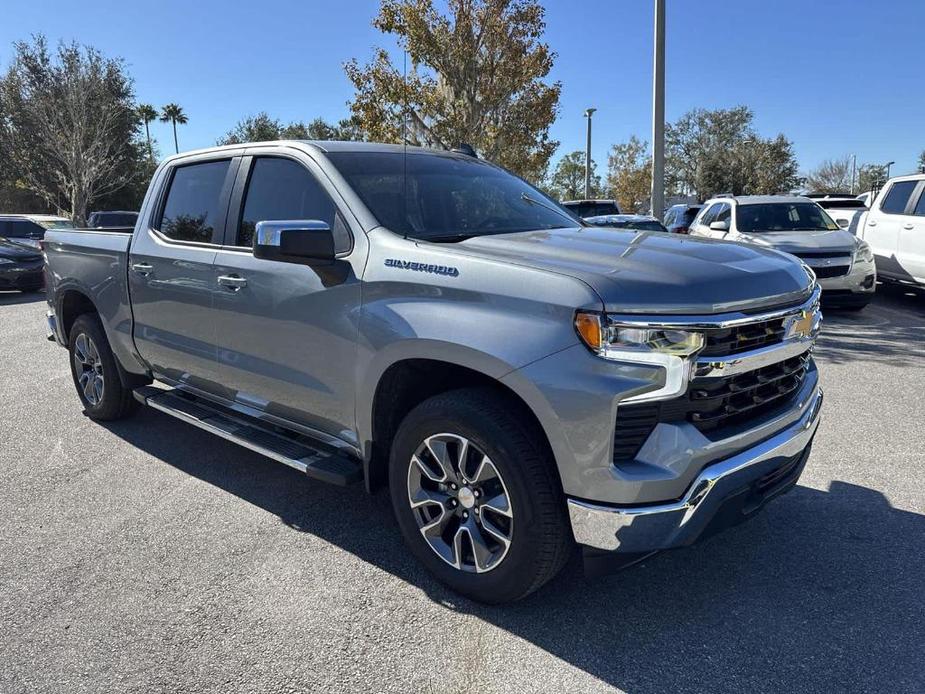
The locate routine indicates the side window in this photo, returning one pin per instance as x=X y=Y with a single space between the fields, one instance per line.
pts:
x=709 y=214
x=282 y=189
x=669 y=218
x=192 y=210
x=723 y=213
x=895 y=200
x=919 y=210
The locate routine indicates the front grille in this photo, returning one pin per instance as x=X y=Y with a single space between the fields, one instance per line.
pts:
x=743 y=338
x=710 y=404
x=820 y=254
x=833 y=271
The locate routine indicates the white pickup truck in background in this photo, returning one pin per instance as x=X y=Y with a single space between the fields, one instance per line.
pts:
x=894 y=227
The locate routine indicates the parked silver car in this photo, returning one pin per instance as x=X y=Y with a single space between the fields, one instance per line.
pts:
x=843 y=264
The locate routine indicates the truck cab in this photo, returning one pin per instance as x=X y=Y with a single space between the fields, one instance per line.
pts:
x=895 y=229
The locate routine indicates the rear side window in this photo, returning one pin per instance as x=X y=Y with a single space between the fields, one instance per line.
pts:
x=920 y=205
x=690 y=214
x=193 y=209
x=896 y=200
x=282 y=189
x=22 y=229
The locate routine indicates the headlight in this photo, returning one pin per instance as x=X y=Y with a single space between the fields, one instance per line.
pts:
x=863 y=254
x=669 y=348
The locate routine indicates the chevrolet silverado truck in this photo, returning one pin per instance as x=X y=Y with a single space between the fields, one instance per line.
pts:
x=428 y=322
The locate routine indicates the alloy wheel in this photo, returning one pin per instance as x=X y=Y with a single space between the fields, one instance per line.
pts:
x=89 y=368
x=460 y=502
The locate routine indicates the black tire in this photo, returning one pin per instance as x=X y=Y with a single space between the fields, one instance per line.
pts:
x=117 y=401
x=540 y=542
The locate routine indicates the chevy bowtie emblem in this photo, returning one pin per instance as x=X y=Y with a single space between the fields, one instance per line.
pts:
x=801 y=325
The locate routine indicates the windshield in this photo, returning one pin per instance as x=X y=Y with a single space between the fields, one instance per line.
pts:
x=641 y=224
x=783 y=216
x=842 y=204
x=55 y=223
x=439 y=196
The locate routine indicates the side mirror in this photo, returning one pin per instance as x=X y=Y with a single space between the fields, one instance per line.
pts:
x=296 y=241
x=843 y=223
x=719 y=226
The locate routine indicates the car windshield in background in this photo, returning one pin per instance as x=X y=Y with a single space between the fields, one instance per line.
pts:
x=842 y=204
x=55 y=223
x=444 y=197
x=640 y=224
x=783 y=216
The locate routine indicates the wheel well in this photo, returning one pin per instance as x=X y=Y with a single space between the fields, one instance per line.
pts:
x=408 y=383
x=73 y=304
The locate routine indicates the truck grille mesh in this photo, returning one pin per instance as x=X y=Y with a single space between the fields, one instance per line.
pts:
x=713 y=404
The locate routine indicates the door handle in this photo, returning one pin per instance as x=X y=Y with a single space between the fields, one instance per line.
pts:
x=872 y=223
x=907 y=226
x=233 y=282
x=142 y=268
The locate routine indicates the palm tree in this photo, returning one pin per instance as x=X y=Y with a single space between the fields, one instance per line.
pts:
x=172 y=113
x=147 y=113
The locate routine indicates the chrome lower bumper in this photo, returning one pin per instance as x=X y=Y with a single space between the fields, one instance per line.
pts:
x=678 y=523
x=51 y=328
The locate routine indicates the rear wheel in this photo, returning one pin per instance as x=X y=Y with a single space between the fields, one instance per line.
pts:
x=477 y=500
x=95 y=374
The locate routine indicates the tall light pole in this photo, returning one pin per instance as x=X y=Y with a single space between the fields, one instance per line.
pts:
x=588 y=113
x=658 y=114
x=888 y=165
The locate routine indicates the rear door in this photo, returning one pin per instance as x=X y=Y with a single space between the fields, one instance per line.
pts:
x=171 y=272
x=885 y=223
x=287 y=332
x=911 y=256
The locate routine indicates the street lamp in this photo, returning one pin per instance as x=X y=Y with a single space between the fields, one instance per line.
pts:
x=888 y=165
x=658 y=114
x=588 y=113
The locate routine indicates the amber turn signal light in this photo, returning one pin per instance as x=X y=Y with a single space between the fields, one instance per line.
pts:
x=588 y=326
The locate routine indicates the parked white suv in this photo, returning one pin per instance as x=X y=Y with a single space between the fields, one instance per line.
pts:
x=895 y=229
x=844 y=264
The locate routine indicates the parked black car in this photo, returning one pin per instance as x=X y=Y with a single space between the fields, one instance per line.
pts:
x=115 y=218
x=20 y=267
x=678 y=218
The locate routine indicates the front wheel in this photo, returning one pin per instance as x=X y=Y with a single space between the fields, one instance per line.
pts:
x=96 y=376
x=477 y=499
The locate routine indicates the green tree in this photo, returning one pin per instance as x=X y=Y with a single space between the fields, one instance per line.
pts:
x=709 y=152
x=172 y=113
x=147 y=113
x=832 y=175
x=68 y=124
x=629 y=174
x=922 y=161
x=567 y=181
x=871 y=177
x=263 y=128
x=475 y=75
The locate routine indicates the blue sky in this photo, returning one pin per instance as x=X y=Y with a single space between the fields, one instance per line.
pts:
x=837 y=77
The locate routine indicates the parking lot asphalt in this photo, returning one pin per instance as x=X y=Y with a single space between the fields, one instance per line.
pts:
x=148 y=556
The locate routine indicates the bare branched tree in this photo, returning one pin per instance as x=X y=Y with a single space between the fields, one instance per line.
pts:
x=69 y=123
x=831 y=176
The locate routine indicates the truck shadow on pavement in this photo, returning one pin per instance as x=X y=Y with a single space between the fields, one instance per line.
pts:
x=15 y=297
x=822 y=591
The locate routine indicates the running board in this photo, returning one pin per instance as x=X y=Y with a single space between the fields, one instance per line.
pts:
x=289 y=448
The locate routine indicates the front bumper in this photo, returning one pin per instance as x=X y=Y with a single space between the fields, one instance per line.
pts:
x=724 y=493
x=855 y=288
x=27 y=275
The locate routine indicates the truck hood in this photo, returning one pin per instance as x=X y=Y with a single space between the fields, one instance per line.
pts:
x=797 y=242
x=655 y=272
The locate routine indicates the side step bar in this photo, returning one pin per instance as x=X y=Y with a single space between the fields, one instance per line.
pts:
x=288 y=448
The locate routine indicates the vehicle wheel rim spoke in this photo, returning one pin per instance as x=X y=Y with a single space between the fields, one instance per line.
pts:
x=89 y=369
x=464 y=515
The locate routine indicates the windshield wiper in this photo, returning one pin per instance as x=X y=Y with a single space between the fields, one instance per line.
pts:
x=540 y=203
x=448 y=238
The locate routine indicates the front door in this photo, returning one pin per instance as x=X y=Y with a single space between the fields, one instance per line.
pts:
x=287 y=332
x=884 y=227
x=171 y=275
x=911 y=254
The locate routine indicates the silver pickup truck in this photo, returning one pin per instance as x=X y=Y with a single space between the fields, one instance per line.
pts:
x=428 y=322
